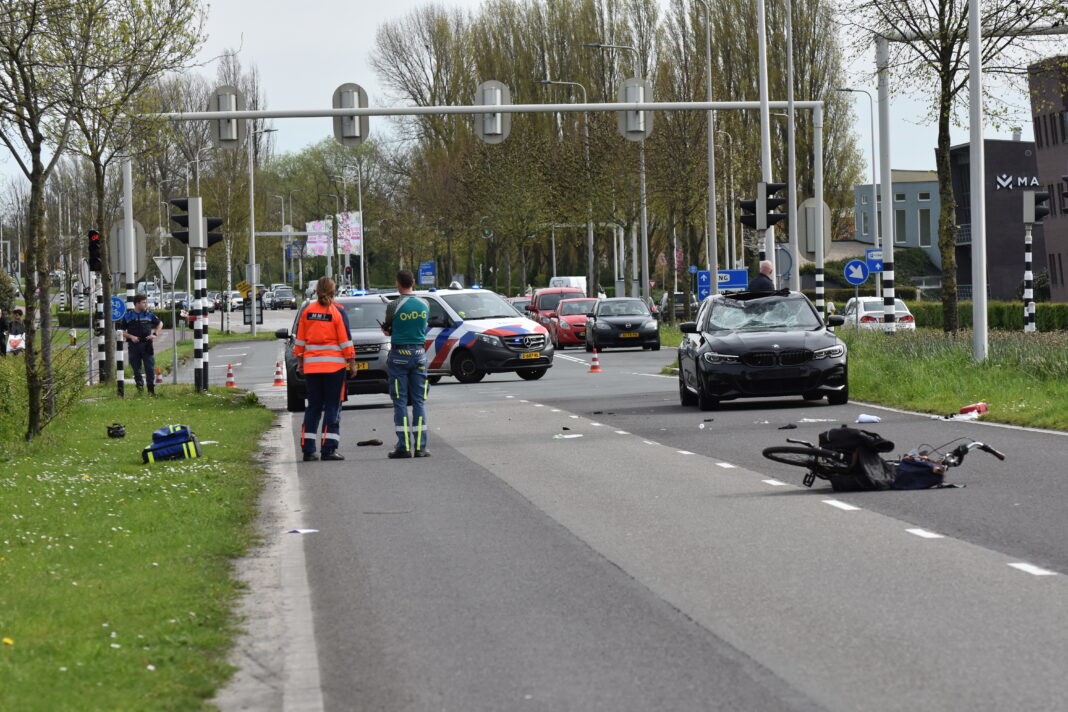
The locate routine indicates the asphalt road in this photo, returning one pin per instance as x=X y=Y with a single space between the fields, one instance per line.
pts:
x=658 y=562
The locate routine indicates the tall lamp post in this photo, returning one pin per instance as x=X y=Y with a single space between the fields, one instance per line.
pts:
x=876 y=242
x=333 y=243
x=591 y=268
x=252 y=219
x=641 y=171
x=713 y=238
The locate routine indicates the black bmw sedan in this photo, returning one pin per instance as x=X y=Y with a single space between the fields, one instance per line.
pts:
x=755 y=344
x=621 y=322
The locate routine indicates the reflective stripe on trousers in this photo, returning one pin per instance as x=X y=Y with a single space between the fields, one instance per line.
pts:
x=408 y=384
x=325 y=396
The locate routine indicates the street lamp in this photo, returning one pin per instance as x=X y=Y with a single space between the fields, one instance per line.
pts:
x=876 y=241
x=252 y=220
x=641 y=171
x=590 y=265
x=713 y=238
x=333 y=244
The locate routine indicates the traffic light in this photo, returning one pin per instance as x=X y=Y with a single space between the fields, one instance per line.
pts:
x=213 y=238
x=765 y=193
x=96 y=261
x=348 y=271
x=192 y=221
x=1036 y=206
x=761 y=213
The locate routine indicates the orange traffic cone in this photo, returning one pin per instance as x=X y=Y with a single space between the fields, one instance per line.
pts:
x=159 y=376
x=595 y=366
x=278 y=380
x=230 y=383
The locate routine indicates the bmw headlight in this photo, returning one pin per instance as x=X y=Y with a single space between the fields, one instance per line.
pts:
x=565 y=325
x=489 y=339
x=836 y=351
x=712 y=357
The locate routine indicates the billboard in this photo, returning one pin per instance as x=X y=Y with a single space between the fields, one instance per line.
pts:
x=350 y=232
x=319 y=243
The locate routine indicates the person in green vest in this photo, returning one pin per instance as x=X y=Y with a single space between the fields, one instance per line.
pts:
x=405 y=324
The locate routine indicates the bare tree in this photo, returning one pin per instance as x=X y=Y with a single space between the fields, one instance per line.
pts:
x=930 y=48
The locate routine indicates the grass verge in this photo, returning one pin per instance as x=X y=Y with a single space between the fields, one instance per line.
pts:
x=115 y=577
x=1024 y=379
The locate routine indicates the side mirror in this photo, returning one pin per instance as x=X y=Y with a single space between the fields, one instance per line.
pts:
x=281 y=333
x=835 y=320
x=590 y=315
x=552 y=314
x=688 y=327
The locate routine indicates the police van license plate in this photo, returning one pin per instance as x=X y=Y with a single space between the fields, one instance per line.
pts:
x=532 y=354
x=629 y=335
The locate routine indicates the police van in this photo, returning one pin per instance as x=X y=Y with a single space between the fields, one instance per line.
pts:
x=472 y=332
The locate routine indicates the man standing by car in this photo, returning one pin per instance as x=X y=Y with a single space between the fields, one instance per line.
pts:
x=141 y=327
x=323 y=348
x=406 y=322
x=763 y=281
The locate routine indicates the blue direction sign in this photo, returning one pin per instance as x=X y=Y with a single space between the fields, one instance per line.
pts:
x=704 y=284
x=874 y=260
x=118 y=308
x=426 y=274
x=693 y=269
x=856 y=272
x=733 y=278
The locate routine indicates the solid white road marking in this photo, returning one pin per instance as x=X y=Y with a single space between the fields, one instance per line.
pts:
x=1032 y=569
x=652 y=375
x=775 y=483
x=924 y=534
x=841 y=505
x=684 y=452
x=725 y=465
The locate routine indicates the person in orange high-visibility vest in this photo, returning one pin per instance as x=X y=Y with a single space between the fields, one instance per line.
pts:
x=323 y=348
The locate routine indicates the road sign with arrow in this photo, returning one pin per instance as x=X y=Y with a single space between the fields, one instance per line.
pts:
x=856 y=272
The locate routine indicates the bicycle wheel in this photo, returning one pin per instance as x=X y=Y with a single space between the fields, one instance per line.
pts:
x=811 y=458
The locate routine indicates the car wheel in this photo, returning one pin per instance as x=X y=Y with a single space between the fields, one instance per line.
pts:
x=839 y=398
x=433 y=380
x=705 y=401
x=656 y=346
x=465 y=369
x=686 y=397
x=294 y=396
x=531 y=374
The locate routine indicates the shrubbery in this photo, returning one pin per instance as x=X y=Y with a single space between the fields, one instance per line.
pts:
x=1005 y=316
x=68 y=384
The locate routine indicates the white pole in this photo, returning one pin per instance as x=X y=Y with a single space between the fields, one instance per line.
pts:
x=712 y=246
x=768 y=251
x=363 y=222
x=791 y=131
x=978 y=195
x=252 y=224
x=882 y=59
x=817 y=179
x=644 y=220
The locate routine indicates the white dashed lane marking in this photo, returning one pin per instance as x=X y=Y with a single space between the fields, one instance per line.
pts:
x=924 y=534
x=841 y=505
x=621 y=432
x=1033 y=570
x=725 y=465
x=775 y=483
x=684 y=452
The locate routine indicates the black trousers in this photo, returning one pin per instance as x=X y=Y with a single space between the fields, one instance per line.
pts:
x=142 y=355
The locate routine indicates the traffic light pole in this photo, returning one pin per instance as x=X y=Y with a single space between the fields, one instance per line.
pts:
x=200 y=321
x=252 y=225
x=768 y=246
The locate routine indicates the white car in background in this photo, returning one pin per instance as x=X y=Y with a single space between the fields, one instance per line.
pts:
x=867 y=313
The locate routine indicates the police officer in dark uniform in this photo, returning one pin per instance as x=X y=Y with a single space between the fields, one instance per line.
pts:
x=141 y=327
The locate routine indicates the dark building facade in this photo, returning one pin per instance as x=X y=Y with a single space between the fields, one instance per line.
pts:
x=1010 y=170
x=1048 y=82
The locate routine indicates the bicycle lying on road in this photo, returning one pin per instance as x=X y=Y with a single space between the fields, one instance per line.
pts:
x=849 y=459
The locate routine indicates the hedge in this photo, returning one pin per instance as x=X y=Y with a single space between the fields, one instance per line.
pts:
x=841 y=296
x=80 y=320
x=1007 y=316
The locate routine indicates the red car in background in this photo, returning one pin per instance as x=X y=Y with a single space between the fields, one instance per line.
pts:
x=567 y=325
x=543 y=303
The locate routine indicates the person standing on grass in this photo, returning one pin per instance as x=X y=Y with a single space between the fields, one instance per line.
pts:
x=141 y=327
x=3 y=333
x=405 y=325
x=323 y=349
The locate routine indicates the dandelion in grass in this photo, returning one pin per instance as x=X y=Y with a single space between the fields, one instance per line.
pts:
x=9 y=641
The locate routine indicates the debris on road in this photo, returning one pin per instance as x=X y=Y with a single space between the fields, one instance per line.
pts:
x=971 y=415
x=818 y=420
x=979 y=408
x=865 y=418
x=365 y=443
x=302 y=531
x=788 y=426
